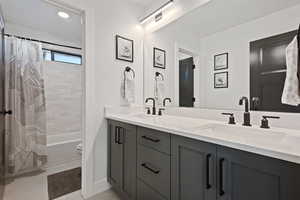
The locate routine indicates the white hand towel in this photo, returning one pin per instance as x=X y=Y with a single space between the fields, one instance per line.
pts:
x=128 y=89
x=290 y=95
x=159 y=91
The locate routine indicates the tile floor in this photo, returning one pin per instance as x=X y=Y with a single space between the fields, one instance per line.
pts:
x=34 y=187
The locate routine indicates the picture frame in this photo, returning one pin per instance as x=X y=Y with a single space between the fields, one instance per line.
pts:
x=221 y=80
x=221 y=61
x=159 y=58
x=124 y=49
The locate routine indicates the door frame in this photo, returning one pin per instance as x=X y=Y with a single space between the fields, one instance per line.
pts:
x=196 y=55
x=87 y=189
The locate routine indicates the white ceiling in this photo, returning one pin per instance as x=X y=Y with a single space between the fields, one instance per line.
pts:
x=219 y=15
x=148 y=6
x=42 y=16
x=142 y=3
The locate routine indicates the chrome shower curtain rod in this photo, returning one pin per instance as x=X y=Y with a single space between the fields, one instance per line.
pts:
x=44 y=42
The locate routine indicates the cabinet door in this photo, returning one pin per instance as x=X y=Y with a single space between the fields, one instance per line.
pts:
x=193 y=170
x=129 y=142
x=246 y=176
x=115 y=157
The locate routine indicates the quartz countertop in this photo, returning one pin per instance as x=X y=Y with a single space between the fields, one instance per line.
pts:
x=277 y=143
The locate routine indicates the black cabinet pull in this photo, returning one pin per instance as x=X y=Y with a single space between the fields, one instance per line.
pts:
x=150 y=169
x=208 y=172
x=116 y=135
x=120 y=135
x=222 y=178
x=150 y=139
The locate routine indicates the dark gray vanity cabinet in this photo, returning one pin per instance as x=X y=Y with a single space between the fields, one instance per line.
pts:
x=153 y=165
x=146 y=164
x=211 y=172
x=247 y=176
x=193 y=170
x=122 y=156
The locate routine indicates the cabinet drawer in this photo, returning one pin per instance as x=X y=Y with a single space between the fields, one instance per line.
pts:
x=154 y=169
x=144 y=192
x=154 y=139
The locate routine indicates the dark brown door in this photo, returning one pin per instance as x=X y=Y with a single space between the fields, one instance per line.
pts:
x=186 y=82
x=2 y=106
x=268 y=73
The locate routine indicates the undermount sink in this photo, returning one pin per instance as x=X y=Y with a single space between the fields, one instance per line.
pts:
x=172 y=121
x=144 y=116
x=248 y=135
x=245 y=134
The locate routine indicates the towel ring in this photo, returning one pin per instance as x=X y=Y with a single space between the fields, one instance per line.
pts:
x=157 y=74
x=128 y=70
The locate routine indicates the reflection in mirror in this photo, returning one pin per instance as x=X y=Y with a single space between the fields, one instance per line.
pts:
x=213 y=59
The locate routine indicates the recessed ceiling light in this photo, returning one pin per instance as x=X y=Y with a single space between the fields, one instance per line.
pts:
x=63 y=15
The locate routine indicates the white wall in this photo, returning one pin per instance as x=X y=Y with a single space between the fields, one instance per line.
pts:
x=103 y=20
x=236 y=41
x=113 y=17
x=21 y=30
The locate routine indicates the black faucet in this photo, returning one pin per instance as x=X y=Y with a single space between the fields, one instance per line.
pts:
x=246 y=113
x=153 y=107
x=166 y=99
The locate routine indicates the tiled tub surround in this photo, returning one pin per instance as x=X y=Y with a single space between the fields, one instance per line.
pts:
x=63 y=101
x=63 y=105
x=280 y=143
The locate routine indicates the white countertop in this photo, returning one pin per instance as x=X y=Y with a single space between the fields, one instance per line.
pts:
x=277 y=143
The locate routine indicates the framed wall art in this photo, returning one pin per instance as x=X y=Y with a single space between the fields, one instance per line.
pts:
x=221 y=61
x=124 y=49
x=221 y=80
x=159 y=58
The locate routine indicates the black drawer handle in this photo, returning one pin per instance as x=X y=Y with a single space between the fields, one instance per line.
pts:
x=150 y=139
x=222 y=177
x=150 y=169
x=208 y=171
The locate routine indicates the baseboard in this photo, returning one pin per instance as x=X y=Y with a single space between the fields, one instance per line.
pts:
x=100 y=186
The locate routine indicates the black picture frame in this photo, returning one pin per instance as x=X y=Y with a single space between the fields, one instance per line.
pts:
x=155 y=62
x=131 y=49
x=221 y=67
x=226 y=82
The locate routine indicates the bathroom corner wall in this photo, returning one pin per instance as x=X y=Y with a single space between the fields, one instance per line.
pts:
x=113 y=17
x=103 y=75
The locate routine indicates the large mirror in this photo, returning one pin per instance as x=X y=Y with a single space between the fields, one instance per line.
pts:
x=209 y=59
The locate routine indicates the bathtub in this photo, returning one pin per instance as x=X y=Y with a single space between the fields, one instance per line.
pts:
x=62 y=153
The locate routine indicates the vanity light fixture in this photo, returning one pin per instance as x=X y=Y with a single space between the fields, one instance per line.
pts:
x=63 y=15
x=157 y=13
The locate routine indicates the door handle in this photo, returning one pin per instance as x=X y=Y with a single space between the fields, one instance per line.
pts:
x=6 y=112
x=150 y=139
x=208 y=172
x=150 y=169
x=222 y=180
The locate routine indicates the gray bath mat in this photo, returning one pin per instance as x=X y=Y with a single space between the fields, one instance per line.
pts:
x=64 y=183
